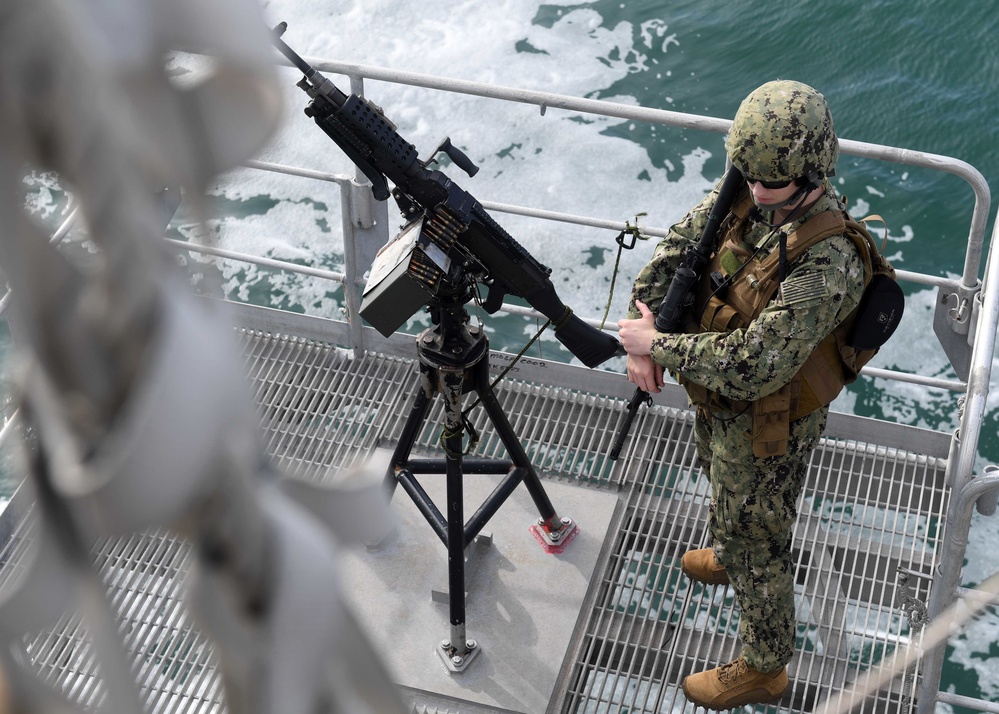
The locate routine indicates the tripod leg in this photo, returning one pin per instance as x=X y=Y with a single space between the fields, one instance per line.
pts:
x=554 y=531
x=458 y=651
x=513 y=446
x=417 y=416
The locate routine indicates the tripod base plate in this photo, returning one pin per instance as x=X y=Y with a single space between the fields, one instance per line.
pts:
x=555 y=540
x=457 y=662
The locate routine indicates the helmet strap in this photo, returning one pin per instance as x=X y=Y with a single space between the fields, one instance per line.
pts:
x=807 y=185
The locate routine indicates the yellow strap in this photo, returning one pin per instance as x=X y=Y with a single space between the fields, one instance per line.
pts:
x=876 y=217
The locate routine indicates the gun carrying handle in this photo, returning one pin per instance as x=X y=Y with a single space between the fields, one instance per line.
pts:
x=459 y=157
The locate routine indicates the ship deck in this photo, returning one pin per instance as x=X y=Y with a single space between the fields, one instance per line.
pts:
x=609 y=625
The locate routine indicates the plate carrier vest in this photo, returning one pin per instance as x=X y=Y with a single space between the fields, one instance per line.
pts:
x=827 y=370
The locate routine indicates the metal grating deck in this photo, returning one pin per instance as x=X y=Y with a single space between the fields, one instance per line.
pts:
x=868 y=520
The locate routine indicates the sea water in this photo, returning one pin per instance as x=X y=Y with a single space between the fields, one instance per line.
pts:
x=916 y=74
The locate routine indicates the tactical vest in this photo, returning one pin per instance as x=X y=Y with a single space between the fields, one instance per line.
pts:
x=827 y=370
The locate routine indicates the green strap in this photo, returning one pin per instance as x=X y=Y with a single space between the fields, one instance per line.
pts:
x=636 y=234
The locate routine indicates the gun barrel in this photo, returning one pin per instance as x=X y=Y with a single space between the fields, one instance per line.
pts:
x=307 y=69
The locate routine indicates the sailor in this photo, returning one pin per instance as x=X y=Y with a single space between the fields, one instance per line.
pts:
x=760 y=361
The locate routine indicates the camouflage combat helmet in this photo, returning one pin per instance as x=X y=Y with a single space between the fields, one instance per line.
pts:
x=783 y=131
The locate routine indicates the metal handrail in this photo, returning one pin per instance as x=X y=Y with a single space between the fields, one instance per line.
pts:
x=549 y=100
x=322 y=273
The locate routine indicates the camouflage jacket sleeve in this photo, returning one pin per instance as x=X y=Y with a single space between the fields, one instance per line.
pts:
x=824 y=285
x=653 y=280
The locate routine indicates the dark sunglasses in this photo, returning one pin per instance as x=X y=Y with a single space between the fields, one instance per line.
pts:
x=770 y=185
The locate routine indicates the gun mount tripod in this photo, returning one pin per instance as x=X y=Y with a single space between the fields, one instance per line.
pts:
x=454 y=360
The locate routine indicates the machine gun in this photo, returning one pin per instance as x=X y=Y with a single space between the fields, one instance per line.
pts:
x=679 y=296
x=450 y=239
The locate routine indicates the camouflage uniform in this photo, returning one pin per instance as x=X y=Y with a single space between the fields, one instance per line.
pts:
x=754 y=500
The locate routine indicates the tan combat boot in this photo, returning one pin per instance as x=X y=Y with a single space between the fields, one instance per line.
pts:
x=702 y=566
x=734 y=685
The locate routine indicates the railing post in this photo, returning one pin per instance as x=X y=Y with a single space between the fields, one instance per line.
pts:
x=365 y=230
x=948 y=575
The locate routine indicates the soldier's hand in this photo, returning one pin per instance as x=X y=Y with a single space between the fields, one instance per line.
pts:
x=645 y=374
x=636 y=335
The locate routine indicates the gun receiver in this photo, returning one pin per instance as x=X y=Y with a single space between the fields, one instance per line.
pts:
x=465 y=238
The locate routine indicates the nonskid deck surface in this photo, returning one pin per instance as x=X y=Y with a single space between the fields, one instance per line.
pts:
x=865 y=541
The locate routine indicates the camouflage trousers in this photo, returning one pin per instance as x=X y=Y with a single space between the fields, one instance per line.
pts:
x=753 y=509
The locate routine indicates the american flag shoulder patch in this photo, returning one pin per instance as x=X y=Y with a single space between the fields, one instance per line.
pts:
x=803 y=288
